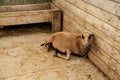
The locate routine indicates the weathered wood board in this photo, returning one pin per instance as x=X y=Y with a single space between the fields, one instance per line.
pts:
x=31 y=13
x=56 y=20
x=80 y=15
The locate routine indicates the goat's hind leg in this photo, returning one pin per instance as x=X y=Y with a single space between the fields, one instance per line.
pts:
x=49 y=46
x=56 y=53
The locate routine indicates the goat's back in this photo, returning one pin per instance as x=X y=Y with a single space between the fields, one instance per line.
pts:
x=66 y=41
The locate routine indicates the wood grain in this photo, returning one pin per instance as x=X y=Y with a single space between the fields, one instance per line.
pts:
x=31 y=13
x=80 y=15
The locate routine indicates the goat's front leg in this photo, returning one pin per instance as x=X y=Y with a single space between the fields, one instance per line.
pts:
x=67 y=57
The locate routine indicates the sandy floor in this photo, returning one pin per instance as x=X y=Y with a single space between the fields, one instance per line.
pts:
x=22 y=58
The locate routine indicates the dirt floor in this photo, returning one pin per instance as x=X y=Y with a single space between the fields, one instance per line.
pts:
x=22 y=57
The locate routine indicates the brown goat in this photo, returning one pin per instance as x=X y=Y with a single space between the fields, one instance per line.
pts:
x=69 y=43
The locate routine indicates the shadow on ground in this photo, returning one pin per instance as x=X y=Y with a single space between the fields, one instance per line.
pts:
x=22 y=57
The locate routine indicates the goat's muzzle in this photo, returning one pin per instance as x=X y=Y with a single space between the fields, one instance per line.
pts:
x=86 y=46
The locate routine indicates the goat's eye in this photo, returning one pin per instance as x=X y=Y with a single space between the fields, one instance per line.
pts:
x=89 y=37
x=83 y=37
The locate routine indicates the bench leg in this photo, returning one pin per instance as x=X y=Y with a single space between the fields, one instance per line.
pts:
x=56 y=21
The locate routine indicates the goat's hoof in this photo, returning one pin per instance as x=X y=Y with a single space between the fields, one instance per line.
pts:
x=55 y=55
x=86 y=56
x=67 y=59
x=48 y=50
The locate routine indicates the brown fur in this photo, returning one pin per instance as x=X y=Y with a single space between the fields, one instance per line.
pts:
x=69 y=43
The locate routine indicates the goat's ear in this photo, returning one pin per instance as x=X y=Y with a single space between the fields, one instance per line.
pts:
x=92 y=36
x=78 y=36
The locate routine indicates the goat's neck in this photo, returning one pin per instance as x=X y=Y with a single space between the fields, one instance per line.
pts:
x=81 y=48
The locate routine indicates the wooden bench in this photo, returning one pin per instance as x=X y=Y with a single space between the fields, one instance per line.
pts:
x=31 y=13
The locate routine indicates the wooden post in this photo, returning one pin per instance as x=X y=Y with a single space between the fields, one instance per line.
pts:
x=56 y=20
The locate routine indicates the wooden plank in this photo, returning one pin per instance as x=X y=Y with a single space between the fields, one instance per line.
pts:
x=73 y=19
x=109 y=60
x=107 y=5
x=72 y=1
x=107 y=17
x=104 y=27
x=27 y=7
x=24 y=13
x=115 y=44
x=74 y=26
x=25 y=19
x=118 y=1
x=56 y=20
x=104 y=67
x=32 y=13
x=72 y=23
x=54 y=7
x=103 y=36
x=101 y=57
x=109 y=49
x=67 y=27
x=101 y=41
x=93 y=29
x=70 y=26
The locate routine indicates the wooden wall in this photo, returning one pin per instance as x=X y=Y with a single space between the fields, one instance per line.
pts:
x=101 y=17
x=18 y=2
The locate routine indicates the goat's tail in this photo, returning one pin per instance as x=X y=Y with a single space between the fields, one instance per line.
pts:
x=42 y=44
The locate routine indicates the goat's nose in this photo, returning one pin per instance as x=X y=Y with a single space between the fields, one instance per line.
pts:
x=86 y=45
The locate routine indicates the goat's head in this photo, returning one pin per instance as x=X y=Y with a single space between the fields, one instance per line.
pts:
x=86 y=39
